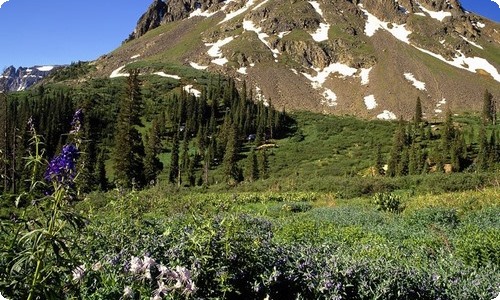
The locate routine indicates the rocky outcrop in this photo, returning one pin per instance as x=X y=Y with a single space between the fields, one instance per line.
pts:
x=21 y=78
x=160 y=12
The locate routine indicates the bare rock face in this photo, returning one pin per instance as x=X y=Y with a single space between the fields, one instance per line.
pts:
x=160 y=12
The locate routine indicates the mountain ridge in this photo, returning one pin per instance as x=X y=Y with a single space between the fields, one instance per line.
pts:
x=325 y=56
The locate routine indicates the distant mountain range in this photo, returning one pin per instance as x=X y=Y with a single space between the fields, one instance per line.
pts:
x=22 y=78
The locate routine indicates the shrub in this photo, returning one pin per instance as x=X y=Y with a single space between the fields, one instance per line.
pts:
x=388 y=202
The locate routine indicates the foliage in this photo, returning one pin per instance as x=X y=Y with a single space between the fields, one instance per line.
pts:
x=388 y=202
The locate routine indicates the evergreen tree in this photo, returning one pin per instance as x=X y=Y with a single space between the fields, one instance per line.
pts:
x=483 y=151
x=264 y=165
x=129 y=149
x=100 y=172
x=253 y=167
x=152 y=164
x=230 y=167
x=418 y=111
x=379 y=161
x=489 y=108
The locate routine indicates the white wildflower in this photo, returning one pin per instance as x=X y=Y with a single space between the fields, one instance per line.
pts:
x=148 y=262
x=156 y=297
x=163 y=270
x=78 y=273
x=127 y=292
x=135 y=265
x=184 y=273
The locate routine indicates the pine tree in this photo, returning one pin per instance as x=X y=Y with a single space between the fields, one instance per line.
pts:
x=264 y=165
x=100 y=172
x=489 y=108
x=129 y=149
x=253 y=167
x=152 y=164
x=418 y=111
x=230 y=167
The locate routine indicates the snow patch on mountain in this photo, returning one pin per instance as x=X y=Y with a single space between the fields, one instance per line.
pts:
x=198 y=13
x=370 y=102
x=197 y=66
x=250 y=26
x=387 y=115
x=373 y=24
x=365 y=75
x=260 y=4
x=438 y=15
x=118 y=73
x=190 y=90
x=471 y=42
x=238 y=12
x=416 y=83
x=259 y=96
x=471 y=64
x=321 y=33
x=330 y=98
x=163 y=74
x=45 y=68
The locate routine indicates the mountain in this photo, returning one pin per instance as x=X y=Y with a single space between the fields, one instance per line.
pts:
x=22 y=78
x=371 y=58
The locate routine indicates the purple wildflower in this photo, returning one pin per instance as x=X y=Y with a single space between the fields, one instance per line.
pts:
x=62 y=168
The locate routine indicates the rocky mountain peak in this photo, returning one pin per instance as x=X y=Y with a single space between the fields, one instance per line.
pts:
x=22 y=78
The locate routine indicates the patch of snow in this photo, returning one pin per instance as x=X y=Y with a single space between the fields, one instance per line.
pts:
x=294 y=71
x=199 y=13
x=438 y=15
x=163 y=74
x=442 y=102
x=416 y=83
x=471 y=42
x=438 y=111
x=480 y=25
x=252 y=65
x=321 y=33
x=197 y=66
x=135 y=56
x=387 y=115
x=250 y=26
x=215 y=50
x=442 y=42
x=220 y=61
x=45 y=68
x=321 y=76
x=117 y=73
x=471 y=64
x=373 y=24
x=370 y=102
x=238 y=12
x=330 y=98
x=365 y=75
x=259 y=96
x=420 y=14
x=242 y=70
x=260 y=4
x=190 y=90
x=283 y=34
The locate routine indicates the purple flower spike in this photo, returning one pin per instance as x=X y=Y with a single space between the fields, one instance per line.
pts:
x=62 y=168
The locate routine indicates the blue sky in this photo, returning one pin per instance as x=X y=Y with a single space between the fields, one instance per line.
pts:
x=48 y=32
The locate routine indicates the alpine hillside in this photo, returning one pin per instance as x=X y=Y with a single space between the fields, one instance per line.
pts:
x=368 y=58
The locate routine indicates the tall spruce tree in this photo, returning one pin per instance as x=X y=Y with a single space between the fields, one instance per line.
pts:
x=152 y=164
x=418 y=111
x=489 y=108
x=129 y=149
x=231 y=170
